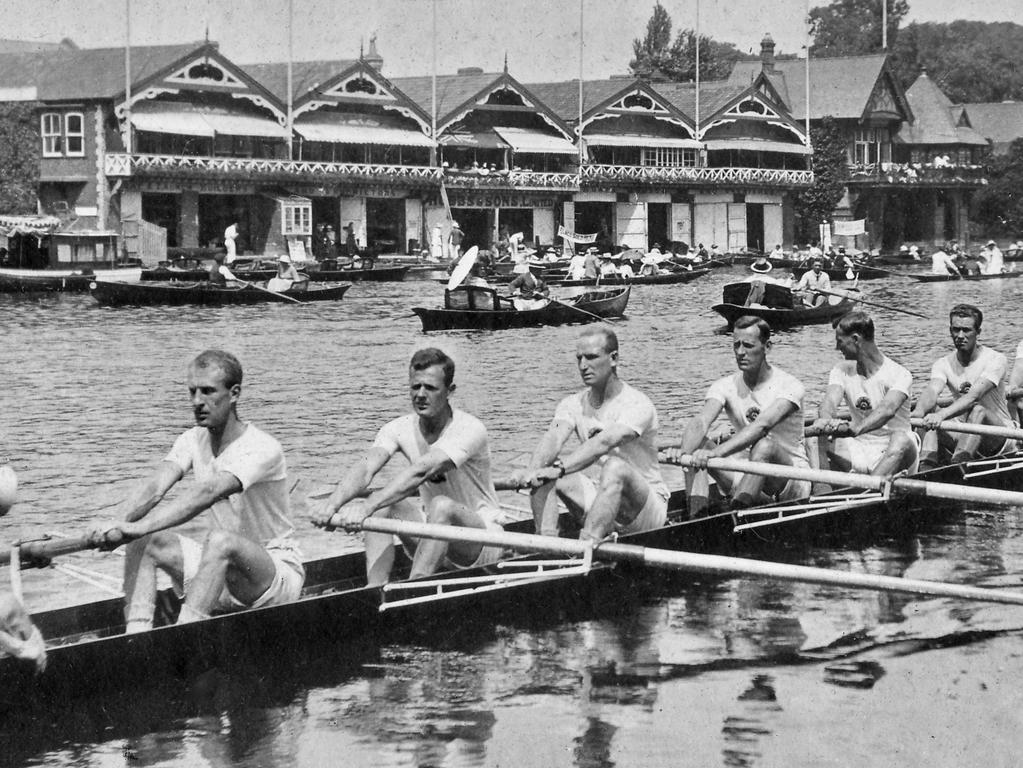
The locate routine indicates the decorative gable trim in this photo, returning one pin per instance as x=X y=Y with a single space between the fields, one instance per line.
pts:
x=505 y=82
x=639 y=98
x=887 y=96
x=754 y=104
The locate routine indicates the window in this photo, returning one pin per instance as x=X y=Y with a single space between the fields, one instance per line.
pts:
x=673 y=157
x=52 y=135
x=872 y=146
x=74 y=134
x=297 y=218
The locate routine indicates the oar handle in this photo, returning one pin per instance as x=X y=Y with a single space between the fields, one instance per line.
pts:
x=39 y=552
x=988 y=430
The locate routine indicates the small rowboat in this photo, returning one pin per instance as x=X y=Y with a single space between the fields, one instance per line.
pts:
x=950 y=278
x=483 y=308
x=860 y=272
x=55 y=281
x=668 y=278
x=778 y=306
x=90 y=654
x=370 y=274
x=149 y=294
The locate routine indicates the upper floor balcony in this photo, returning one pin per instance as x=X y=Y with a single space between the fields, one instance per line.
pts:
x=121 y=164
x=596 y=175
x=917 y=175
x=517 y=179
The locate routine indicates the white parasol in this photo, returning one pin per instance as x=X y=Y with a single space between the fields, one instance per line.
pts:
x=463 y=268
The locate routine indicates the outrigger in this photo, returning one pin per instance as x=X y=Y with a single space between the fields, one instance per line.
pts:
x=89 y=652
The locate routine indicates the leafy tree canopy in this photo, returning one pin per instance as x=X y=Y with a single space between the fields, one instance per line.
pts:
x=850 y=27
x=19 y=157
x=816 y=203
x=656 y=56
x=999 y=204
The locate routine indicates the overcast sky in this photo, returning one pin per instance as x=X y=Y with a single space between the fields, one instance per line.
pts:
x=539 y=36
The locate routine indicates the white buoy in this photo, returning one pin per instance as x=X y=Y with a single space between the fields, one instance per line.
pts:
x=8 y=486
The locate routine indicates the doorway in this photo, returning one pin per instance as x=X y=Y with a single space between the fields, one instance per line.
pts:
x=385 y=224
x=657 y=230
x=755 y=227
x=477 y=224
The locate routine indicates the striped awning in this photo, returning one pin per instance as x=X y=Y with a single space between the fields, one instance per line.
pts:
x=342 y=132
x=526 y=140
x=475 y=140
x=639 y=140
x=188 y=119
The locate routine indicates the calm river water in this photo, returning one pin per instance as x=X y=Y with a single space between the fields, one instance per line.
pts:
x=734 y=673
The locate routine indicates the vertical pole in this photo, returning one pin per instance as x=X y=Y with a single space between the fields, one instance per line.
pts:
x=697 y=35
x=582 y=156
x=127 y=76
x=809 y=40
x=291 y=19
x=884 y=25
x=433 y=103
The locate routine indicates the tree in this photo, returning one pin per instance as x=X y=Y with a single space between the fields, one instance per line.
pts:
x=968 y=60
x=657 y=57
x=999 y=204
x=850 y=27
x=19 y=157
x=816 y=203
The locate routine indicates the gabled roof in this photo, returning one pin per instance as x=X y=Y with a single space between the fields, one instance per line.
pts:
x=935 y=119
x=840 y=86
x=305 y=75
x=713 y=96
x=86 y=73
x=563 y=97
x=999 y=122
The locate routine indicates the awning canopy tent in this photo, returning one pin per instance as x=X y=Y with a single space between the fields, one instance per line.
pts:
x=360 y=129
x=640 y=140
x=474 y=140
x=526 y=140
x=757 y=145
x=188 y=119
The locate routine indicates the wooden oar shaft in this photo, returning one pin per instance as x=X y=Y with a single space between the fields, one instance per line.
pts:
x=46 y=549
x=866 y=482
x=272 y=293
x=877 y=304
x=988 y=430
x=690 y=561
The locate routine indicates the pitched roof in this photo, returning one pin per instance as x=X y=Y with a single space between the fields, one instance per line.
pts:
x=841 y=86
x=563 y=97
x=1001 y=122
x=713 y=95
x=452 y=90
x=305 y=75
x=935 y=119
x=86 y=73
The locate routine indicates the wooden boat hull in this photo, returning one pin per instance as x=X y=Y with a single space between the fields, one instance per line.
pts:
x=373 y=274
x=601 y=304
x=58 y=280
x=840 y=275
x=952 y=278
x=172 y=274
x=668 y=279
x=115 y=294
x=786 y=318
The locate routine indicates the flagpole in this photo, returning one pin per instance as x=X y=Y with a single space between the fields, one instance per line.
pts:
x=809 y=37
x=291 y=26
x=127 y=76
x=884 y=25
x=697 y=70
x=582 y=157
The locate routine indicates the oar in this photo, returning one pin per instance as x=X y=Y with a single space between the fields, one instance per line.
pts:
x=689 y=561
x=43 y=550
x=572 y=306
x=865 y=482
x=988 y=430
x=272 y=293
x=870 y=303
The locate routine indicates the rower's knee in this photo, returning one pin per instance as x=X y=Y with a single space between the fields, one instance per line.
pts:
x=10 y=609
x=762 y=450
x=161 y=547
x=978 y=415
x=442 y=512
x=219 y=545
x=613 y=473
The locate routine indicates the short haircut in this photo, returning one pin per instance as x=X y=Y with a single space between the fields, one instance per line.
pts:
x=225 y=361
x=967 y=310
x=610 y=337
x=856 y=322
x=751 y=321
x=431 y=356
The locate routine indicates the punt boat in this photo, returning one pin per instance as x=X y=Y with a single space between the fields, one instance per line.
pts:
x=115 y=294
x=59 y=280
x=483 y=308
x=778 y=306
x=950 y=278
x=667 y=278
x=89 y=653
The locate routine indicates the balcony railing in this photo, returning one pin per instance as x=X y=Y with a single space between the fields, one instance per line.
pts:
x=641 y=174
x=917 y=174
x=122 y=164
x=518 y=180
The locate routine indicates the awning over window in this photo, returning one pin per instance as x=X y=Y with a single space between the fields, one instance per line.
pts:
x=525 y=140
x=639 y=140
x=755 y=145
x=360 y=132
x=194 y=120
x=478 y=140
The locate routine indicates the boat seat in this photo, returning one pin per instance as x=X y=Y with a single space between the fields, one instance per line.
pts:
x=472 y=297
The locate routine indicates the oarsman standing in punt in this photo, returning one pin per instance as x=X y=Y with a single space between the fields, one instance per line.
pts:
x=616 y=426
x=973 y=375
x=449 y=466
x=878 y=438
x=248 y=558
x=765 y=407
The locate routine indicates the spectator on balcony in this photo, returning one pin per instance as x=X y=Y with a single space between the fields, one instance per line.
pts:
x=230 y=236
x=991 y=259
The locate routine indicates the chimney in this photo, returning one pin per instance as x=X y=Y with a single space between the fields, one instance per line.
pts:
x=373 y=58
x=767 y=53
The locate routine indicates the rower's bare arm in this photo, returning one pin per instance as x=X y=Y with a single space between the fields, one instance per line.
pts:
x=547 y=451
x=609 y=438
x=354 y=483
x=696 y=430
x=151 y=490
x=928 y=398
x=965 y=403
x=1014 y=389
x=826 y=414
x=431 y=464
x=757 y=429
x=881 y=415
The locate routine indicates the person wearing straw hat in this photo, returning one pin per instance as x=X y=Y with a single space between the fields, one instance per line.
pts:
x=814 y=280
x=287 y=276
x=528 y=289
x=455 y=237
x=991 y=259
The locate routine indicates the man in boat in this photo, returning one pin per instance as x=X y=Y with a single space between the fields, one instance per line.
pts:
x=777 y=254
x=616 y=426
x=19 y=637
x=878 y=438
x=765 y=407
x=448 y=453
x=973 y=375
x=761 y=265
x=220 y=276
x=248 y=557
x=942 y=263
x=812 y=284
x=528 y=290
x=287 y=276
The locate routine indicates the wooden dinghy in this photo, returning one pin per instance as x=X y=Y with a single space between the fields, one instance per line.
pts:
x=949 y=278
x=777 y=305
x=116 y=294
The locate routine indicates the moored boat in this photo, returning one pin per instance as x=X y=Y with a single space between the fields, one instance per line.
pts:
x=664 y=278
x=859 y=272
x=483 y=308
x=146 y=294
x=950 y=278
x=777 y=305
x=59 y=280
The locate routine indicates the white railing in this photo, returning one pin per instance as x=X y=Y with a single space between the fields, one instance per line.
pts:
x=512 y=179
x=768 y=177
x=121 y=164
